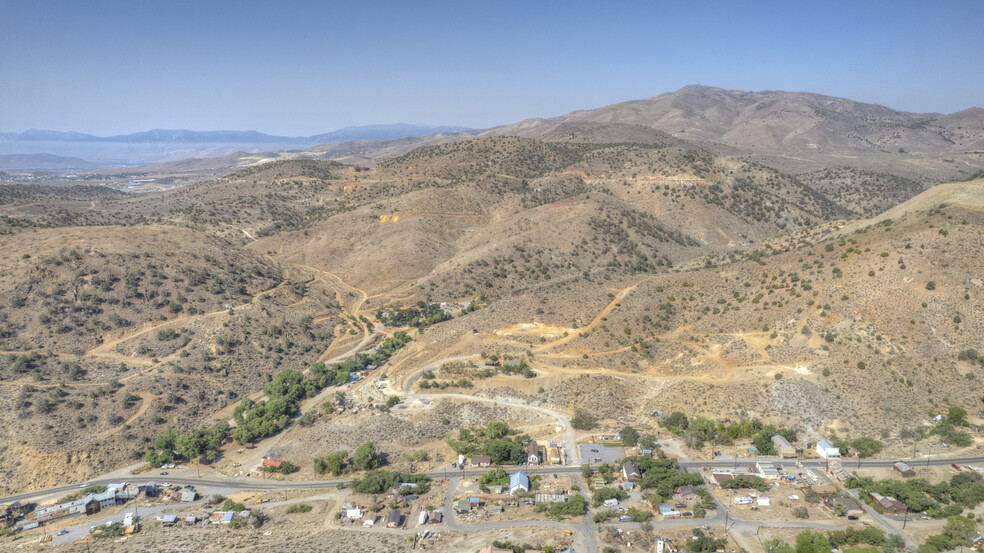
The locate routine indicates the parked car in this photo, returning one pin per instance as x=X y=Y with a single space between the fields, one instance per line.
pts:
x=164 y=473
x=62 y=532
x=84 y=485
x=594 y=451
x=955 y=467
x=454 y=464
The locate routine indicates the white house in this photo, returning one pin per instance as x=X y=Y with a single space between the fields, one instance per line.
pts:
x=827 y=451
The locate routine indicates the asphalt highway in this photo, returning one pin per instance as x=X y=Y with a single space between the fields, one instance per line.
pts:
x=260 y=483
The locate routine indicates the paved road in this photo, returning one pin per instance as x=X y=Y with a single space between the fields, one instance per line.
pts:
x=238 y=483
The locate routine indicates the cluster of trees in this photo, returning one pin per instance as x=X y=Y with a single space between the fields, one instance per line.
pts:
x=257 y=420
x=521 y=548
x=742 y=482
x=701 y=430
x=496 y=439
x=866 y=447
x=575 y=506
x=365 y=458
x=582 y=420
x=494 y=477
x=702 y=543
x=869 y=535
x=379 y=480
x=420 y=315
x=661 y=475
x=964 y=490
x=196 y=444
x=958 y=531
x=947 y=430
x=602 y=495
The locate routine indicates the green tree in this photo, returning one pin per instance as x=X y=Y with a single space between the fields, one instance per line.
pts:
x=957 y=416
x=961 y=530
x=840 y=509
x=582 y=420
x=333 y=463
x=676 y=422
x=629 y=435
x=812 y=542
x=365 y=457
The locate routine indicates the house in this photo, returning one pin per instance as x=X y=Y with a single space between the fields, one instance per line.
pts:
x=475 y=502
x=767 y=470
x=519 y=482
x=272 y=463
x=354 y=513
x=783 y=447
x=481 y=460
x=191 y=519
x=666 y=511
x=532 y=453
x=890 y=505
x=630 y=471
x=228 y=516
x=497 y=509
x=904 y=469
x=188 y=497
x=827 y=451
x=763 y=501
x=436 y=517
x=394 y=519
x=551 y=498
x=462 y=506
x=686 y=493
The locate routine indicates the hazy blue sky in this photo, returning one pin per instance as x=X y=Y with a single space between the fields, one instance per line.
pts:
x=301 y=68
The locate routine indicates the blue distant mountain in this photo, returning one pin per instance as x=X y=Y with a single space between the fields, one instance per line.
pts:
x=164 y=145
x=183 y=136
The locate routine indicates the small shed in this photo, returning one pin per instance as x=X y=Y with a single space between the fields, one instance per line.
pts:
x=169 y=520
x=783 y=447
x=904 y=469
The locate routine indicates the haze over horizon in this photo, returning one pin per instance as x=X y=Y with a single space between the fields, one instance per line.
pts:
x=109 y=68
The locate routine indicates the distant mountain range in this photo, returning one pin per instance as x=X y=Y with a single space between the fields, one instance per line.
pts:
x=793 y=132
x=42 y=162
x=163 y=145
x=790 y=131
x=366 y=132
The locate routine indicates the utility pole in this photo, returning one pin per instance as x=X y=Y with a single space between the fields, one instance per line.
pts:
x=905 y=517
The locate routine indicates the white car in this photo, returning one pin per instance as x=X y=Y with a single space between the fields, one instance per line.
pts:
x=166 y=485
x=84 y=485
x=974 y=468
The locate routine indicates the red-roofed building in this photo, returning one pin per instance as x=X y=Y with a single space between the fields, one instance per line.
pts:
x=272 y=463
